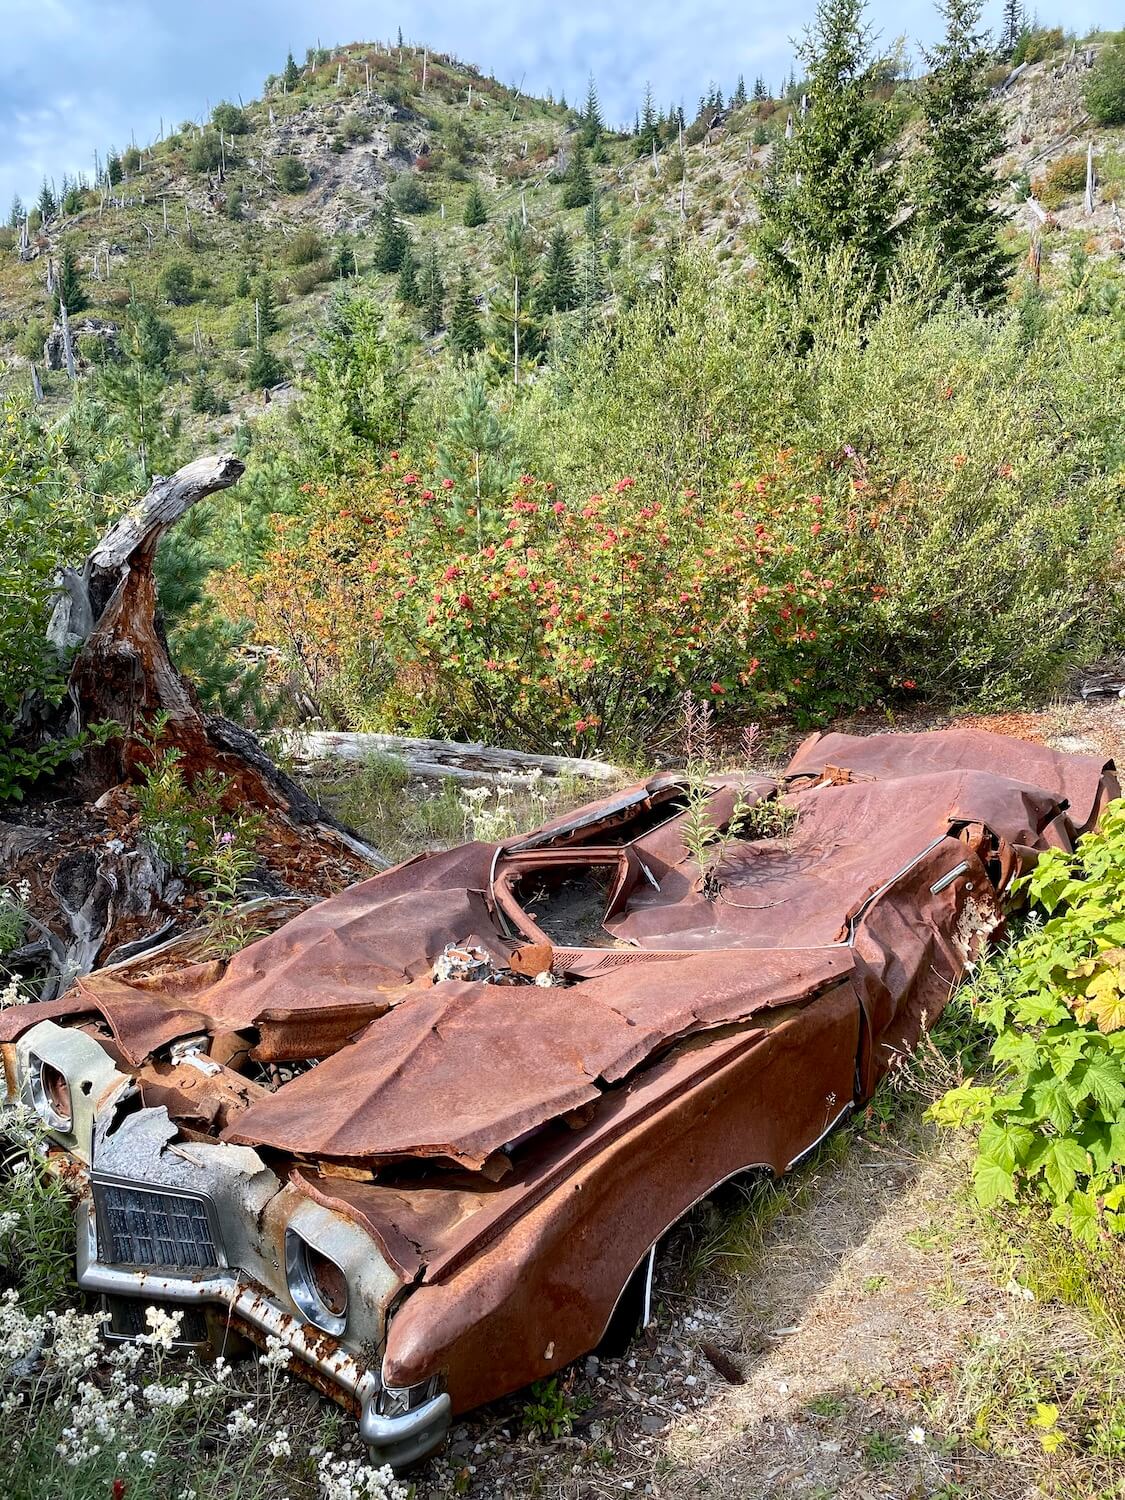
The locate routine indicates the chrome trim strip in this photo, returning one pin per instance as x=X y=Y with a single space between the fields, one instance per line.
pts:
x=824 y=1134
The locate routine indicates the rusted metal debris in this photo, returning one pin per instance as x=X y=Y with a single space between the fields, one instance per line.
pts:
x=489 y=1080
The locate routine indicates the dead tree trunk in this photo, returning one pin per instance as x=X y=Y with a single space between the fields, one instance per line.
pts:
x=122 y=672
x=96 y=896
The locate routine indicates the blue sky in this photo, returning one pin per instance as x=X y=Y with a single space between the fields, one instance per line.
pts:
x=80 y=74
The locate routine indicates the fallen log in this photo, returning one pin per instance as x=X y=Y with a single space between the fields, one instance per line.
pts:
x=450 y=758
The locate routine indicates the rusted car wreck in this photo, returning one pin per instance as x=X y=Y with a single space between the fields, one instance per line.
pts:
x=428 y=1131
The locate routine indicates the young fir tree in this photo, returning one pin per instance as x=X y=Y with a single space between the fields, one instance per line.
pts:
x=738 y=98
x=760 y=90
x=48 y=206
x=465 y=332
x=69 y=290
x=392 y=239
x=593 y=287
x=592 y=123
x=17 y=213
x=472 y=453
x=558 y=290
x=407 y=290
x=476 y=211
x=114 y=171
x=266 y=317
x=292 y=74
x=648 y=131
x=433 y=293
x=1011 y=27
x=578 y=185
x=954 y=176
x=828 y=189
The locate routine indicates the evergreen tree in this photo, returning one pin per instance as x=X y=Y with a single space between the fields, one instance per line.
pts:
x=292 y=73
x=648 y=134
x=149 y=341
x=433 y=293
x=205 y=400
x=264 y=368
x=760 y=90
x=17 y=213
x=242 y=285
x=476 y=213
x=558 y=290
x=408 y=291
x=1011 y=27
x=266 y=317
x=68 y=286
x=392 y=240
x=593 y=269
x=465 y=332
x=472 y=454
x=47 y=205
x=827 y=189
x=954 y=175
x=592 y=123
x=113 y=168
x=578 y=185
x=738 y=98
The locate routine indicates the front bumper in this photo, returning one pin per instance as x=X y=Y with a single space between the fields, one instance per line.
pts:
x=398 y=1440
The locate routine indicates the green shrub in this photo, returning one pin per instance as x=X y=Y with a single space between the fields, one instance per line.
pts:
x=291 y=175
x=1062 y=179
x=1105 y=85
x=305 y=246
x=207 y=152
x=177 y=282
x=355 y=127
x=409 y=195
x=1052 y=1117
x=308 y=277
x=230 y=119
x=1037 y=43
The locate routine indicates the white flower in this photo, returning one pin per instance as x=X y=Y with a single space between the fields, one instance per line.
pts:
x=277 y=1355
x=279 y=1444
x=242 y=1424
x=148 y=1458
x=917 y=1436
x=164 y=1327
x=171 y=1396
x=352 y=1479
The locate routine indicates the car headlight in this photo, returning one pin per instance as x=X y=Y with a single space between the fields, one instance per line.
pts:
x=50 y=1093
x=317 y=1285
x=66 y=1078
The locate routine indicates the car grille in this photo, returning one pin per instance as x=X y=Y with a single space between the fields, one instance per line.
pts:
x=143 y=1226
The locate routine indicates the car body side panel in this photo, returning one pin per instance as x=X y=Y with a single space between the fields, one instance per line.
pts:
x=539 y=1296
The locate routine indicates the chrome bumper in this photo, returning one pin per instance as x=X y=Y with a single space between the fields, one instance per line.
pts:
x=399 y=1440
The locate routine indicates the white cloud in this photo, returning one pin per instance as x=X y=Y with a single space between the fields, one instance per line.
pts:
x=76 y=75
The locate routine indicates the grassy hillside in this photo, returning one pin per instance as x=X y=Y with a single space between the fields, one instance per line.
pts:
x=197 y=218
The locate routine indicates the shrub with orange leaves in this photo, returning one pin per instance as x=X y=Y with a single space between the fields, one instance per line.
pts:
x=556 y=621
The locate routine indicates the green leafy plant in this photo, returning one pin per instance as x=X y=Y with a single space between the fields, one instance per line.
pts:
x=551 y=1409
x=1051 y=1124
x=36 y=1217
x=185 y=822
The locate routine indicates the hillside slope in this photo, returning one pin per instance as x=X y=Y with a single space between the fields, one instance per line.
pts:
x=363 y=124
